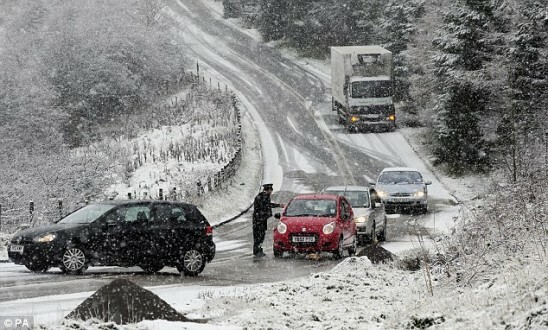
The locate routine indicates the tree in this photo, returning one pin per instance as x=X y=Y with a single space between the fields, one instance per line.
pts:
x=273 y=21
x=398 y=27
x=460 y=143
x=463 y=52
x=464 y=45
x=524 y=118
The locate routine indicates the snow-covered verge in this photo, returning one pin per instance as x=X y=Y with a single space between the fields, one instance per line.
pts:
x=359 y=295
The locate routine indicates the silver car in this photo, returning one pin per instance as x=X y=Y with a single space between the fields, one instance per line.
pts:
x=402 y=189
x=368 y=211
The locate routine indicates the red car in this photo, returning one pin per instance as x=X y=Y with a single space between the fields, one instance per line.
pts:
x=316 y=223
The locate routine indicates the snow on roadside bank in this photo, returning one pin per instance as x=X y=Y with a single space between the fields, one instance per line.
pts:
x=357 y=295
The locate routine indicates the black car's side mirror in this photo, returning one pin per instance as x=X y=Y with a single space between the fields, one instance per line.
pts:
x=277 y=215
x=428 y=182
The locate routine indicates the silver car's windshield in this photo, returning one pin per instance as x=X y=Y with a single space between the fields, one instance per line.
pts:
x=311 y=207
x=358 y=199
x=400 y=177
x=87 y=213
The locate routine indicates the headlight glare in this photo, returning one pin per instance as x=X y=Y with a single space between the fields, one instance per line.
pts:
x=44 y=238
x=419 y=193
x=282 y=228
x=360 y=219
x=329 y=228
x=354 y=119
x=381 y=193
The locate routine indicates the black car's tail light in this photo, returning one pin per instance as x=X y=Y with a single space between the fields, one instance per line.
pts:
x=209 y=231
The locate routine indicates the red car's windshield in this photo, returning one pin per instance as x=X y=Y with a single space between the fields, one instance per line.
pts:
x=311 y=207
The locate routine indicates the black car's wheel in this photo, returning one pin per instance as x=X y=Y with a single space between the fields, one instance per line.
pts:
x=338 y=253
x=37 y=267
x=192 y=262
x=152 y=267
x=278 y=253
x=74 y=261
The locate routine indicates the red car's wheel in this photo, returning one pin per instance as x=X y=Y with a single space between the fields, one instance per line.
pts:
x=338 y=253
x=278 y=253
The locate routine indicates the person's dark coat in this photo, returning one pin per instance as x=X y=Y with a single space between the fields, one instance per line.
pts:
x=262 y=210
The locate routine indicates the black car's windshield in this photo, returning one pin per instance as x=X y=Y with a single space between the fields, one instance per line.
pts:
x=87 y=213
x=311 y=207
x=357 y=199
x=400 y=177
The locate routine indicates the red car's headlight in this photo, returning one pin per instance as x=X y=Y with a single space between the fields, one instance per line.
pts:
x=282 y=228
x=329 y=228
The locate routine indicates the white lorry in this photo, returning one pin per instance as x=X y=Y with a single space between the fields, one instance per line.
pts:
x=362 y=87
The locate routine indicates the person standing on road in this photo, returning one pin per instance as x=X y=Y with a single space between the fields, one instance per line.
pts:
x=262 y=210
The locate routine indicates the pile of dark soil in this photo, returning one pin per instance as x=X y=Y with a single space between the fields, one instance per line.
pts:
x=122 y=301
x=376 y=253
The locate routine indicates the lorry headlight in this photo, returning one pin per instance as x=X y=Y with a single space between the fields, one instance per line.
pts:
x=329 y=228
x=360 y=220
x=282 y=228
x=44 y=238
x=354 y=119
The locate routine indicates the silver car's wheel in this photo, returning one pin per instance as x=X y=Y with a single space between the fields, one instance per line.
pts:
x=74 y=261
x=192 y=263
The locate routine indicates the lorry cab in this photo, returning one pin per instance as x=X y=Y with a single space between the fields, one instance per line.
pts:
x=362 y=87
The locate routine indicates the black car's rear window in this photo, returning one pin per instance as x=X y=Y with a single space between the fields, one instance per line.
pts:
x=87 y=214
x=194 y=214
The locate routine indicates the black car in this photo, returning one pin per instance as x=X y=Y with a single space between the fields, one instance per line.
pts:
x=145 y=233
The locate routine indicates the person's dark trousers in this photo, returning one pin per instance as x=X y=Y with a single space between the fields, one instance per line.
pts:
x=259 y=229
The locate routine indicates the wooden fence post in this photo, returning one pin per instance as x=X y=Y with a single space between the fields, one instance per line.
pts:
x=60 y=206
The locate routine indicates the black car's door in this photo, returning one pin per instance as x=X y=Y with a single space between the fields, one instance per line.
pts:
x=159 y=232
x=126 y=235
x=175 y=229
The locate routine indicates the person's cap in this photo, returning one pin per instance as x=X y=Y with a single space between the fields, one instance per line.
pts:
x=268 y=186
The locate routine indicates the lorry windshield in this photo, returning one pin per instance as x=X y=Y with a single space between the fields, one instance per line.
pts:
x=366 y=89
